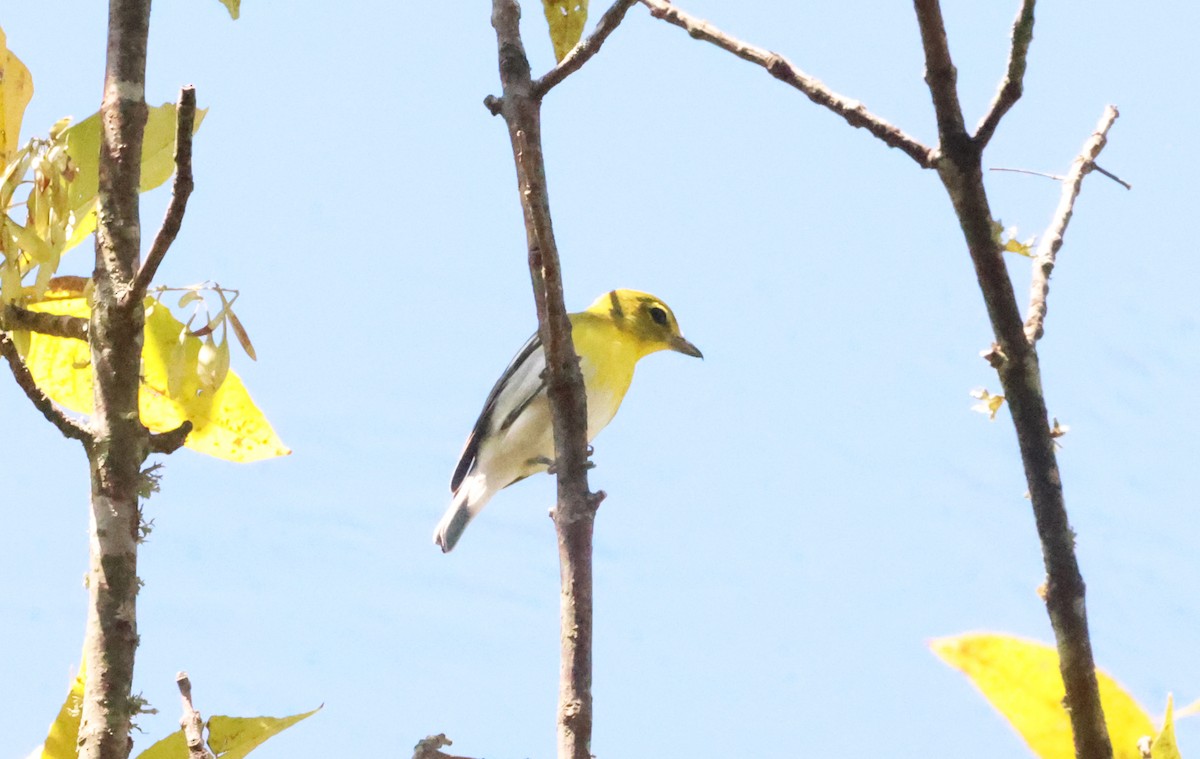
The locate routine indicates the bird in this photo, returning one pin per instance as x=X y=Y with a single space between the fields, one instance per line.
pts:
x=513 y=437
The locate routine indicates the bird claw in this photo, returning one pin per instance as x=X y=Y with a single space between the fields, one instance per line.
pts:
x=552 y=465
x=549 y=463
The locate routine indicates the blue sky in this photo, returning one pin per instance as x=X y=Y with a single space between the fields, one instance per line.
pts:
x=788 y=522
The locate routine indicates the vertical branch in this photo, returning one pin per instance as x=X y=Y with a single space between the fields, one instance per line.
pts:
x=115 y=334
x=1015 y=357
x=575 y=513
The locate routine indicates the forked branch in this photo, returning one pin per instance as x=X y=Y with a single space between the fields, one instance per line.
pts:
x=181 y=190
x=1016 y=361
x=1047 y=250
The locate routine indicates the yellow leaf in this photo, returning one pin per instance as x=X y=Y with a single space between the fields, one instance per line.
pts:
x=566 y=19
x=174 y=746
x=1164 y=746
x=988 y=404
x=64 y=733
x=234 y=7
x=16 y=90
x=227 y=424
x=234 y=737
x=83 y=145
x=1022 y=681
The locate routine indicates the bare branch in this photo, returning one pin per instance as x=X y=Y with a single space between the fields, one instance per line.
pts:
x=940 y=74
x=1013 y=84
x=428 y=748
x=191 y=722
x=575 y=513
x=583 y=52
x=854 y=112
x=961 y=171
x=67 y=426
x=185 y=118
x=1047 y=250
x=574 y=60
x=169 y=442
x=56 y=325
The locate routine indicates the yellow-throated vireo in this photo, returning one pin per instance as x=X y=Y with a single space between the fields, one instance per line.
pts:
x=513 y=437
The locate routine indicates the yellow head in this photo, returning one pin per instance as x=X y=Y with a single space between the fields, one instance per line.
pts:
x=646 y=318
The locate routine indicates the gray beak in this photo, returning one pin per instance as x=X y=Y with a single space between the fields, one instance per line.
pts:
x=684 y=347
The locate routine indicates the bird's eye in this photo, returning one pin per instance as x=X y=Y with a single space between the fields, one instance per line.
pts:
x=658 y=315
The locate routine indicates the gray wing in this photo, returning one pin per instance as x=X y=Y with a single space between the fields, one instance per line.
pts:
x=517 y=387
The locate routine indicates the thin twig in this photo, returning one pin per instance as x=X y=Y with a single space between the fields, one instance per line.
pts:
x=1012 y=86
x=1055 y=177
x=170 y=441
x=185 y=118
x=14 y=317
x=1111 y=176
x=583 y=52
x=191 y=721
x=854 y=112
x=576 y=510
x=67 y=426
x=1047 y=250
x=961 y=171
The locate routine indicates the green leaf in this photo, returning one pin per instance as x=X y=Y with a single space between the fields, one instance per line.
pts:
x=234 y=7
x=234 y=737
x=158 y=161
x=566 y=19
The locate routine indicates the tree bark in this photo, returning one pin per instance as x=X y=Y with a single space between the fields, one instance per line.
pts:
x=121 y=442
x=575 y=514
x=960 y=167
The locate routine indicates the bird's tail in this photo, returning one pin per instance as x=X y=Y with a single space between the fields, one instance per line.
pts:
x=468 y=501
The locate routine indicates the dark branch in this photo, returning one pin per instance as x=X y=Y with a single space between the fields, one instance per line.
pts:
x=961 y=171
x=67 y=426
x=940 y=74
x=854 y=112
x=1012 y=86
x=575 y=513
x=171 y=441
x=191 y=722
x=185 y=118
x=1052 y=240
x=56 y=325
